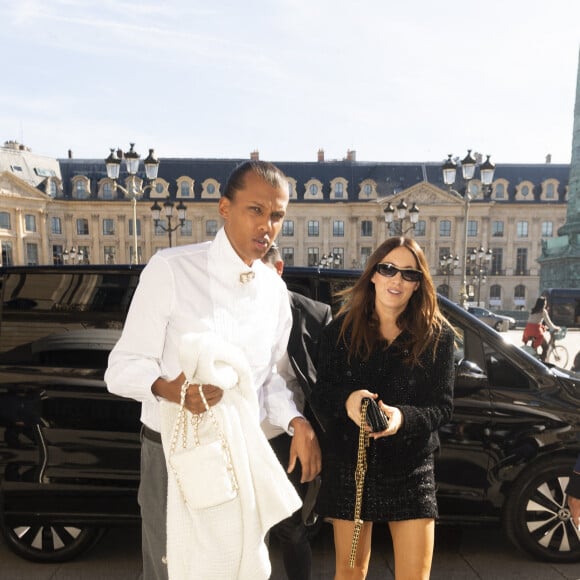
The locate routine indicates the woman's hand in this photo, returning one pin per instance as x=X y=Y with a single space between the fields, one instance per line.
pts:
x=395 y=418
x=354 y=402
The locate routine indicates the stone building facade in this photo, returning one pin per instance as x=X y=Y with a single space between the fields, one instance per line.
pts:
x=68 y=210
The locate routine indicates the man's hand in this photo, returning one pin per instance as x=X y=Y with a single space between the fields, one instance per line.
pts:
x=305 y=448
x=171 y=390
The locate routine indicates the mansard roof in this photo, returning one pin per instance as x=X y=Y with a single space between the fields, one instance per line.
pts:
x=390 y=177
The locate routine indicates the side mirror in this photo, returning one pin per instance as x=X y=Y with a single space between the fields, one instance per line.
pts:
x=469 y=377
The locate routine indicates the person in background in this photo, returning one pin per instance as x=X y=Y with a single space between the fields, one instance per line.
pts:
x=573 y=493
x=389 y=342
x=309 y=317
x=220 y=286
x=535 y=327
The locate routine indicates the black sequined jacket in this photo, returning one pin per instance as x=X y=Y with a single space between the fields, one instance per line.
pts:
x=423 y=393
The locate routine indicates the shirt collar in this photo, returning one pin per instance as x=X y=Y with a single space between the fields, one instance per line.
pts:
x=224 y=262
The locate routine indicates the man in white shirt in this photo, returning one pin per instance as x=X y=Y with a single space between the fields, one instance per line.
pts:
x=223 y=287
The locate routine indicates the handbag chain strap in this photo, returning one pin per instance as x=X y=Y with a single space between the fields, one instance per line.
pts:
x=181 y=425
x=359 y=477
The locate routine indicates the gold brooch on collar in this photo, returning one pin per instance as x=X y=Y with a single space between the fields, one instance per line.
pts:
x=247 y=276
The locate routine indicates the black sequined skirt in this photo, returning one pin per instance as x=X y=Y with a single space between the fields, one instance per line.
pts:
x=388 y=495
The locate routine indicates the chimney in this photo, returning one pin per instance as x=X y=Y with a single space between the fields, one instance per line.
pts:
x=255 y=155
x=351 y=155
x=321 y=156
x=70 y=153
x=548 y=159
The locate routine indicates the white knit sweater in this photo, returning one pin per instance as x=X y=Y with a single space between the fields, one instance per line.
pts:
x=226 y=542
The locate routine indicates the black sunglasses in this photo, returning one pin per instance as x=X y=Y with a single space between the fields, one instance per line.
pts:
x=388 y=271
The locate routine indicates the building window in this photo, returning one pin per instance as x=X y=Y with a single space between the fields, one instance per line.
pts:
x=7 y=255
x=365 y=254
x=288 y=228
x=313 y=228
x=338 y=257
x=550 y=191
x=83 y=255
x=521 y=261
x=83 y=227
x=500 y=191
x=313 y=257
x=495 y=294
x=547 y=229
x=109 y=254
x=52 y=190
x=108 y=191
x=497 y=229
x=497 y=261
x=366 y=228
x=32 y=254
x=313 y=189
x=30 y=223
x=131 y=229
x=81 y=189
x=420 y=228
x=339 y=189
x=445 y=228
x=160 y=228
x=472 y=228
x=185 y=189
x=522 y=229
x=338 y=229
x=368 y=189
x=57 y=254
x=525 y=191
x=187 y=228
x=210 y=188
x=520 y=295
x=288 y=256
x=4 y=220
x=55 y=225
x=108 y=227
x=211 y=228
x=132 y=252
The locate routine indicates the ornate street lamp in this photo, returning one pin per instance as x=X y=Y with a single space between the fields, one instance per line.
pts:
x=479 y=260
x=468 y=165
x=134 y=189
x=168 y=210
x=448 y=264
x=412 y=215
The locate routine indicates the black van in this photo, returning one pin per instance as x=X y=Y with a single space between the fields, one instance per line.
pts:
x=563 y=305
x=69 y=450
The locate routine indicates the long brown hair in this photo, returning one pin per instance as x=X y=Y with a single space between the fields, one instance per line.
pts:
x=422 y=321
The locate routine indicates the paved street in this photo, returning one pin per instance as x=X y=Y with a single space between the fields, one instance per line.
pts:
x=461 y=554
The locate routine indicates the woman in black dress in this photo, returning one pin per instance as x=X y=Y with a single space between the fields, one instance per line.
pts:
x=389 y=342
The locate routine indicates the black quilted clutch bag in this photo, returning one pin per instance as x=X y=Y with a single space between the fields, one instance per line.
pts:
x=375 y=417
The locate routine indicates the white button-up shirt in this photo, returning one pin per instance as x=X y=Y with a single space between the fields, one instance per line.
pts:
x=197 y=288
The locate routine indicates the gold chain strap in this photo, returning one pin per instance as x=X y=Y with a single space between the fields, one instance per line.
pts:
x=181 y=425
x=359 y=477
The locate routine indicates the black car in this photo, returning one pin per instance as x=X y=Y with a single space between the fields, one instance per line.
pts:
x=69 y=450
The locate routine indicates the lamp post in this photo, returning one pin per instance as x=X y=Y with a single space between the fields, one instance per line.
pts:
x=479 y=260
x=468 y=165
x=134 y=189
x=330 y=261
x=401 y=210
x=448 y=264
x=168 y=210
x=73 y=257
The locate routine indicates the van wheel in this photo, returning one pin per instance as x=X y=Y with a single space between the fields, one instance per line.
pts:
x=50 y=543
x=536 y=516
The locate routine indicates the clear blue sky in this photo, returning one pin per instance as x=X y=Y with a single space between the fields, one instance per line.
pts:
x=394 y=80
